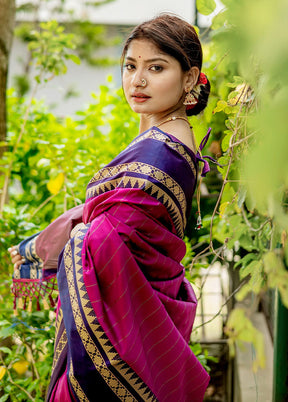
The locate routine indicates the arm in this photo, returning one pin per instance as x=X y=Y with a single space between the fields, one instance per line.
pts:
x=35 y=259
x=49 y=242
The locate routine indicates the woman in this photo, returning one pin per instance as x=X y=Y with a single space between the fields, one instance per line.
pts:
x=125 y=312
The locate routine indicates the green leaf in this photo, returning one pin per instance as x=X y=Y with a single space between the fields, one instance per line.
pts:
x=227 y=2
x=5 y=332
x=225 y=142
x=277 y=275
x=241 y=196
x=250 y=202
x=255 y=267
x=221 y=105
x=239 y=329
x=246 y=242
x=236 y=232
x=219 y=20
x=247 y=258
x=5 y=350
x=4 y=398
x=74 y=58
x=230 y=109
x=233 y=94
x=4 y=322
x=205 y=7
x=237 y=81
x=228 y=192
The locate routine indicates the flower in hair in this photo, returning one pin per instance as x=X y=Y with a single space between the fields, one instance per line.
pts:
x=192 y=97
x=202 y=80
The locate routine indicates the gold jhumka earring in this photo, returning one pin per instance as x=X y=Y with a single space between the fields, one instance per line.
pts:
x=190 y=99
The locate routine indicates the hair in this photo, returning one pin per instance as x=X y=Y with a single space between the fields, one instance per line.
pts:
x=176 y=37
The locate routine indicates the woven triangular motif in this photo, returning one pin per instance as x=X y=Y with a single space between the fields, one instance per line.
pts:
x=99 y=329
x=108 y=187
x=138 y=383
x=148 y=391
x=143 y=386
x=148 y=189
x=129 y=372
x=107 y=343
x=87 y=305
x=111 y=350
x=136 y=184
x=85 y=297
x=78 y=254
x=129 y=184
x=119 y=365
x=155 y=194
x=91 y=314
x=134 y=376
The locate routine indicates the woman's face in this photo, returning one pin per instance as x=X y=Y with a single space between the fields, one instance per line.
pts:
x=165 y=80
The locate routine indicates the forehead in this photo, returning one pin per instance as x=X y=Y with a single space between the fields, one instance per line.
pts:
x=144 y=47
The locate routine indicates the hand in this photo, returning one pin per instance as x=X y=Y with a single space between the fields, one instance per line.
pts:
x=16 y=258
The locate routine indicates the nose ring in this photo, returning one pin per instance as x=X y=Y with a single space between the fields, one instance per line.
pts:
x=143 y=82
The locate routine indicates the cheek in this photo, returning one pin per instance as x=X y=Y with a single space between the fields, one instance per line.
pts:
x=171 y=85
x=172 y=92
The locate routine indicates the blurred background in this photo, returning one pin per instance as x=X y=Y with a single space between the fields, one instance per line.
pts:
x=63 y=117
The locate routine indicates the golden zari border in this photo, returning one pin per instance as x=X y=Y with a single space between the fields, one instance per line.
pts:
x=146 y=170
x=150 y=188
x=61 y=343
x=59 y=319
x=158 y=136
x=100 y=365
x=76 y=386
x=132 y=182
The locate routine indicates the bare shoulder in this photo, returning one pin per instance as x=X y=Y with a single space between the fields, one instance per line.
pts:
x=184 y=134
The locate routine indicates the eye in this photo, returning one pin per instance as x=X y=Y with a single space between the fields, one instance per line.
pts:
x=129 y=66
x=156 y=68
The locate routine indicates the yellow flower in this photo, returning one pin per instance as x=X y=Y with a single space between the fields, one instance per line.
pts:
x=21 y=366
x=2 y=372
x=54 y=185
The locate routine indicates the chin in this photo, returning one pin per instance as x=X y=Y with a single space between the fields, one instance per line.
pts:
x=138 y=109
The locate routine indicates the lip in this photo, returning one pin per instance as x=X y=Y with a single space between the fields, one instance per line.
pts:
x=140 y=97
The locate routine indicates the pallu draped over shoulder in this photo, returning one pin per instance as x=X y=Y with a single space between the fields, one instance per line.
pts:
x=125 y=313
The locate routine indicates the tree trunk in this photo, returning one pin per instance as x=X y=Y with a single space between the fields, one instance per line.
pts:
x=7 y=17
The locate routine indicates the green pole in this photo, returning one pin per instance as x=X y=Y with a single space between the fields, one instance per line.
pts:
x=280 y=369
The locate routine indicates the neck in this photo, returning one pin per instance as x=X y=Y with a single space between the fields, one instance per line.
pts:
x=173 y=118
x=148 y=121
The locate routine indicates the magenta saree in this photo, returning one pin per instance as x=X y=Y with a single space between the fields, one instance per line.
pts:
x=126 y=311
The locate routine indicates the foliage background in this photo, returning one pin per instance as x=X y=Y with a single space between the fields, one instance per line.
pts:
x=50 y=160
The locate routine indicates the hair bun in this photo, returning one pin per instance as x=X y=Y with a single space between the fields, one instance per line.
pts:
x=201 y=93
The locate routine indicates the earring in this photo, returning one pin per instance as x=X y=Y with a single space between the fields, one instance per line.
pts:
x=190 y=99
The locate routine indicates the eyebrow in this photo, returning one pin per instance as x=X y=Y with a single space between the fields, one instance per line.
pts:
x=148 y=60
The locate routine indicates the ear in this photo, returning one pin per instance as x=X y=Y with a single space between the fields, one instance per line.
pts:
x=191 y=78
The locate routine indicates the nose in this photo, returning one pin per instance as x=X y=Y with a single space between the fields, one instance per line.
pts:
x=139 y=78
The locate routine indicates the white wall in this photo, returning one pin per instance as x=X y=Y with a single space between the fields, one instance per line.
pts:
x=127 y=12
x=82 y=78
